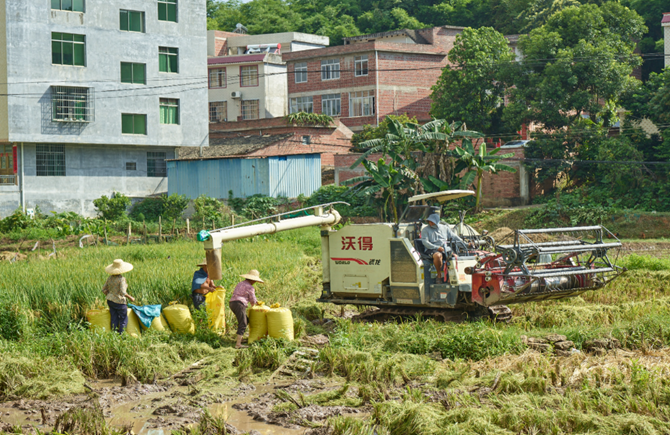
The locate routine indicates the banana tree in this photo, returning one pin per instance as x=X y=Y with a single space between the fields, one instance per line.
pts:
x=479 y=162
x=387 y=178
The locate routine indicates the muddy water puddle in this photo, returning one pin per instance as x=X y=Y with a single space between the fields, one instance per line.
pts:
x=161 y=413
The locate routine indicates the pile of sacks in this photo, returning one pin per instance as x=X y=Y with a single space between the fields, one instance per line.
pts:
x=273 y=321
x=173 y=318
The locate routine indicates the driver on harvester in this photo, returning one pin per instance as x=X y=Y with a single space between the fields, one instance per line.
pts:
x=436 y=237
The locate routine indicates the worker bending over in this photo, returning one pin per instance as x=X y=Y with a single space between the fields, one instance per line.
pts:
x=201 y=285
x=436 y=237
x=243 y=295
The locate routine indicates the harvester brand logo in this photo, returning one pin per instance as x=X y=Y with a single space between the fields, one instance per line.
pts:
x=351 y=244
x=372 y=262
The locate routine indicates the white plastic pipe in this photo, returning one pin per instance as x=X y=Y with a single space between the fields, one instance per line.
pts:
x=217 y=238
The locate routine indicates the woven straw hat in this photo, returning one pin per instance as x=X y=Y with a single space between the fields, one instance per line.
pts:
x=118 y=267
x=201 y=264
x=253 y=275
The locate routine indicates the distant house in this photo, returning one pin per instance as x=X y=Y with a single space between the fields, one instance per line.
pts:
x=247 y=76
x=370 y=76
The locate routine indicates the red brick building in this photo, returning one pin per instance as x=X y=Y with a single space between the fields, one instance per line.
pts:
x=370 y=76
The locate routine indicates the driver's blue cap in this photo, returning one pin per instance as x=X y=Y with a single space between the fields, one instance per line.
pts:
x=434 y=218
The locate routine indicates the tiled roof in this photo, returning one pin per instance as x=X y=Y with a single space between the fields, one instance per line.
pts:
x=230 y=147
x=407 y=32
x=666 y=17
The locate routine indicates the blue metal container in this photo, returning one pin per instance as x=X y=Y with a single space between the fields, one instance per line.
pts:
x=274 y=176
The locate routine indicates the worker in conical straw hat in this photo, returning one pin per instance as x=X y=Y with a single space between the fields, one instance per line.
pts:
x=201 y=285
x=243 y=295
x=116 y=291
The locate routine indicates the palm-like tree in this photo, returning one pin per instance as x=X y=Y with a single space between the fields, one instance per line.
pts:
x=479 y=162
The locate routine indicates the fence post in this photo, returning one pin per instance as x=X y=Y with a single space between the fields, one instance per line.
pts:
x=160 y=228
x=106 y=241
x=145 y=232
x=188 y=226
x=130 y=229
x=174 y=222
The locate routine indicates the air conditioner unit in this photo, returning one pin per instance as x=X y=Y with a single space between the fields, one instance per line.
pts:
x=236 y=94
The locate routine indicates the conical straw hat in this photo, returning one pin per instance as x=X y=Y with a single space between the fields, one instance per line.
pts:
x=118 y=267
x=253 y=275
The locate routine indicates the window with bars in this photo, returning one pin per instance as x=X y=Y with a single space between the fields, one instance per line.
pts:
x=70 y=104
x=362 y=103
x=7 y=165
x=330 y=69
x=68 y=5
x=250 y=109
x=169 y=108
x=167 y=10
x=131 y=21
x=301 y=72
x=218 y=111
x=361 y=65
x=249 y=75
x=168 y=59
x=68 y=49
x=156 y=166
x=217 y=78
x=134 y=73
x=331 y=104
x=302 y=104
x=50 y=161
x=133 y=123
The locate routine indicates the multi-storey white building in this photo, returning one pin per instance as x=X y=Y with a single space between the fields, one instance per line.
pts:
x=95 y=95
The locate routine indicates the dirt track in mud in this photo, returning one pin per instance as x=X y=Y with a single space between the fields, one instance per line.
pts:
x=160 y=408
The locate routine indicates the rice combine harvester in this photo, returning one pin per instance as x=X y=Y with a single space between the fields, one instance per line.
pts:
x=384 y=265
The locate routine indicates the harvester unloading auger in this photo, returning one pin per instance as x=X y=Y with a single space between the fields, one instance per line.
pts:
x=384 y=265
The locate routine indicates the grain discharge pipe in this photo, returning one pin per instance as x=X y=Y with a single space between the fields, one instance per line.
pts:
x=214 y=239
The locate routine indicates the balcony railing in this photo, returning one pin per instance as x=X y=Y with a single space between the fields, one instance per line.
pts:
x=7 y=180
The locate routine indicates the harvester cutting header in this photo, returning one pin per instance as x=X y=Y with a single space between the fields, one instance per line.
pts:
x=387 y=266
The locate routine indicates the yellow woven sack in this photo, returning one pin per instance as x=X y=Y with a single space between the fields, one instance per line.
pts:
x=280 y=323
x=133 y=327
x=100 y=319
x=258 y=323
x=216 y=309
x=179 y=318
x=158 y=324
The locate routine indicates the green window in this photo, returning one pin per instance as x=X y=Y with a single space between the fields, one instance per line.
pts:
x=68 y=49
x=167 y=10
x=133 y=124
x=169 y=110
x=133 y=73
x=131 y=21
x=68 y=5
x=168 y=59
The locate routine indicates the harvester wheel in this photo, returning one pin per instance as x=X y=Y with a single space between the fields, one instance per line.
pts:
x=500 y=313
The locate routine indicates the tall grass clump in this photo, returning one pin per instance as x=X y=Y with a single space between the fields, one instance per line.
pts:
x=643 y=262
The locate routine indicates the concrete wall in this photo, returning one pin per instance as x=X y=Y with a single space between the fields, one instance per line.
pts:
x=31 y=74
x=276 y=91
x=285 y=39
x=666 y=39
x=91 y=171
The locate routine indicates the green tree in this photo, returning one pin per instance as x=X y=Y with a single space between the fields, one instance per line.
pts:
x=579 y=62
x=479 y=162
x=174 y=205
x=112 y=208
x=470 y=89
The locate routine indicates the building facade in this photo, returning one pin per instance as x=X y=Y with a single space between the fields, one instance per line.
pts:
x=370 y=76
x=97 y=95
x=247 y=76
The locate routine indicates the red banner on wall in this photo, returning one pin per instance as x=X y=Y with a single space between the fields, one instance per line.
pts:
x=14 y=160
